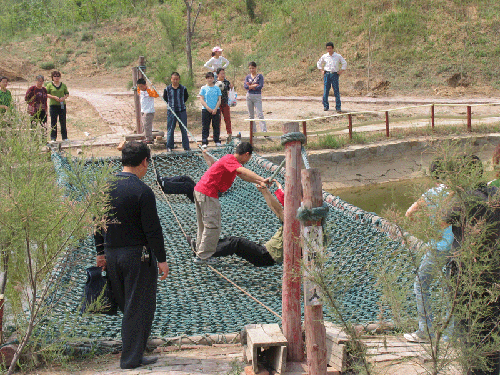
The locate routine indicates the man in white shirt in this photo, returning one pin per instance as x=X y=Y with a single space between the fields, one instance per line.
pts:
x=331 y=65
x=147 y=96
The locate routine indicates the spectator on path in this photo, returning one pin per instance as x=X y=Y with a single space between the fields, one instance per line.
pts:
x=176 y=96
x=253 y=84
x=57 y=92
x=224 y=86
x=147 y=96
x=129 y=248
x=36 y=97
x=216 y=61
x=331 y=65
x=259 y=255
x=5 y=95
x=210 y=97
x=218 y=179
x=436 y=257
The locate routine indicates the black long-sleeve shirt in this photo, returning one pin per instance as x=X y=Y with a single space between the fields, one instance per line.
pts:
x=132 y=219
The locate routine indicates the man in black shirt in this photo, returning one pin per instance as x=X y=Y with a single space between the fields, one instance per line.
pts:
x=129 y=249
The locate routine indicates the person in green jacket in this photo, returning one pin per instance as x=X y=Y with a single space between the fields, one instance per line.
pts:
x=57 y=92
x=5 y=95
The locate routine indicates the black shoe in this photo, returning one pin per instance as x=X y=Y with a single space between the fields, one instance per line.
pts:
x=145 y=361
x=158 y=178
x=325 y=109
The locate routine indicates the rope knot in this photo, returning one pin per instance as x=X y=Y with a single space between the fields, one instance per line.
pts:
x=313 y=214
x=291 y=137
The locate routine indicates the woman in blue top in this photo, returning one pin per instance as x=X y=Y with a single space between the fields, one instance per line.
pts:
x=210 y=97
x=253 y=84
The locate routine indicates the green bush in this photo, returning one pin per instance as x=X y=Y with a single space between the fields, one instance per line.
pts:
x=47 y=65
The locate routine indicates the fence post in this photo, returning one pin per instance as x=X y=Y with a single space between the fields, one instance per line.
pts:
x=387 y=124
x=304 y=130
x=251 y=133
x=312 y=235
x=292 y=254
x=469 y=118
x=349 y=116
x=432 y=116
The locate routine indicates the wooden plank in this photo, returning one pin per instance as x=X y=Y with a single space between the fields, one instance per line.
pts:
x=266 y=335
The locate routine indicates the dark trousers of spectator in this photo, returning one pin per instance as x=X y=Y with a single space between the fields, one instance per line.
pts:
x=133 y=284
x=246 y=249
x=226 y=112
x=171 y=122
x=55 y=112
x=40 y=118
x=206 y=119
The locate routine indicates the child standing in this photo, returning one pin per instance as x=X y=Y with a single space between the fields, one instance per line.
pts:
x=210 y=97
x=224 y=86
x=216 y=61
x=176 y=96
x=147 y=96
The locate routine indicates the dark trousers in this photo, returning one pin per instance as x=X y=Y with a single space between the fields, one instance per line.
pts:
x=55 y=112
x=40 y=117
x=171 y=122
x=246 y=249
x=133 y=284
x=206 y=118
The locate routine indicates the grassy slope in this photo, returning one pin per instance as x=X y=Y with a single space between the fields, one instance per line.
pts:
x=415 y=45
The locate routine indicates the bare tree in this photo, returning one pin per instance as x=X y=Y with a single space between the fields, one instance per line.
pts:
x=190 y=31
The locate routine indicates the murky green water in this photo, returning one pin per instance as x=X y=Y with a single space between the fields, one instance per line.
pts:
x=377 y=197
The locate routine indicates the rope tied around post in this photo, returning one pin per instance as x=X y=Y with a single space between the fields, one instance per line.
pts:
x=294 y=137
x=313 y=214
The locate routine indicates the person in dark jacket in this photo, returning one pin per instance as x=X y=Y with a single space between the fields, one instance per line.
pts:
x=131 y=249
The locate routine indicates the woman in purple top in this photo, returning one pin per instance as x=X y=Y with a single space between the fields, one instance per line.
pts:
x=253 y=84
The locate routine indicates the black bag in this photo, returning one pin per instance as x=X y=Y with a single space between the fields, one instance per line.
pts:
x=97 y=288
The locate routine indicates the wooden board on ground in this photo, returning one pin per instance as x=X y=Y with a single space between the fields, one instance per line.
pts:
x=269 y=338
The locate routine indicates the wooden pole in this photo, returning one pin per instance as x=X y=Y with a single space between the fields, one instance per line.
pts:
x=387 y=124
x=304 y=130
x=251 y=132
x=469 y=118
x=432 y=116
x=313 y=309
x=136 y=74
x=350 y=125
x=291 y=249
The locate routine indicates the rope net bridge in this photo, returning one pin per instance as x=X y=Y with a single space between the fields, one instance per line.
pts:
x=194 y=300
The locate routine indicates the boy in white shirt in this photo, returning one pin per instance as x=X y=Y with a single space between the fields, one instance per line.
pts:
x=147 y=96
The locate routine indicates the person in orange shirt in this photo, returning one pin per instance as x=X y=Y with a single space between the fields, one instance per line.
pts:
x=147 y=96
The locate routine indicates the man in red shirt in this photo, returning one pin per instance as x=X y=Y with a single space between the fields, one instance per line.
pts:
x=218 y=179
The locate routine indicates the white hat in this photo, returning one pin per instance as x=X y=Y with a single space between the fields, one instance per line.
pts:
x=217 y=49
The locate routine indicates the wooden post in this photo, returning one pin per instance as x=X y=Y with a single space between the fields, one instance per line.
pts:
x=304 y=130
x=291 y=310
x=432 y=116
x=251 y=132
x=136 y=74
x=350 y=125
x=387 y=124
x=469 y=118
x=313 y=309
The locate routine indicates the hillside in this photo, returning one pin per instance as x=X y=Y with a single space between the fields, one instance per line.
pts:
x=424 y=47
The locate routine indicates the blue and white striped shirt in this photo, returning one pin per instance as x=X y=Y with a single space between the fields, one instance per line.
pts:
x=176 y=98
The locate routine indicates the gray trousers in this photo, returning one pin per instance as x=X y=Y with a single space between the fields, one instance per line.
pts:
x=208 y=216
x=147 y=124
x=255 y=101
x=133 y=284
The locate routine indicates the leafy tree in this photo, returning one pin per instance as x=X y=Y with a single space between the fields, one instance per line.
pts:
x=40 y=220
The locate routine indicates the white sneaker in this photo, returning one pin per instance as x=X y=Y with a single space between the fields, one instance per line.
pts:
x=204 y=146
x=218 y=144
x=209 y=261
x=416 y=336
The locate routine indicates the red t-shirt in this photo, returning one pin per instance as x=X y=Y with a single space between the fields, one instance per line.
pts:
x=280 y=194
x=219 y=177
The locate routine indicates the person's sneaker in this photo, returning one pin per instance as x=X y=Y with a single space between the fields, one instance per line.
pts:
x=169 y=149
x=339 y=111
x=204 y=146
x=218 y=144
x=416 y=336
x=209 y=261
x=325 y=109
x=158 y=178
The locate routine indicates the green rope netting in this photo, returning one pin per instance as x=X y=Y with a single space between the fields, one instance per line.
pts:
x=194 y=300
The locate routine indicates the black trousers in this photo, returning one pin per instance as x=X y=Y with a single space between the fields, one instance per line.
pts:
x=55 y=112
x=206 y=118
x=246 y=249
x=133 y=284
